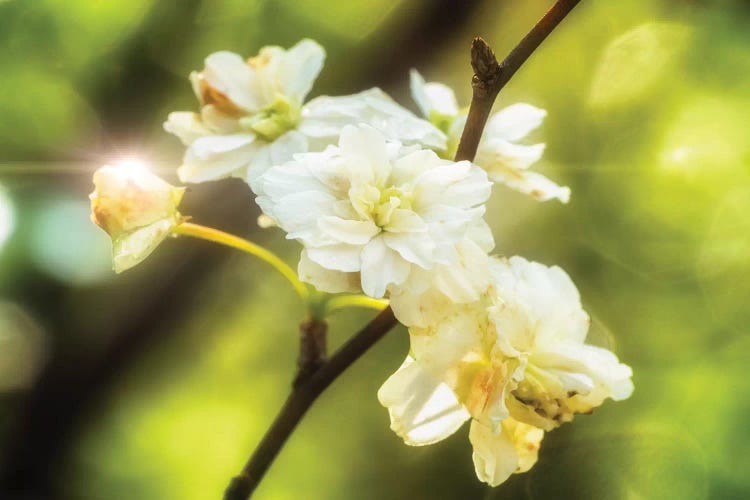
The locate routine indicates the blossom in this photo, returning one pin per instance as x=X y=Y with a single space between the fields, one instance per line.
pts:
x=253 y=114
x=136 y=208
x=515 y=362
x=372 y=214
x=498 y=153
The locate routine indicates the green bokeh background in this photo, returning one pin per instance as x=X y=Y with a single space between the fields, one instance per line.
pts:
x=157 y=384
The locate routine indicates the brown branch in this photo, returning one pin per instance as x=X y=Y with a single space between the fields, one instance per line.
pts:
x=488 y=79
x=301 y=399
x=490 y=76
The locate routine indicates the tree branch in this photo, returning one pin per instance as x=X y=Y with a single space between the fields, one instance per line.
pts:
x=301 y=399
x=489 y=78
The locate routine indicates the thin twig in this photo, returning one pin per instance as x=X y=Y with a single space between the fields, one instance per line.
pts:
x=488 y=79
x=301 y=399
x=490 y=76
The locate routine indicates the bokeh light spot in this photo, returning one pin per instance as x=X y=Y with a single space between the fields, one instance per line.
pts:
x=67 y=245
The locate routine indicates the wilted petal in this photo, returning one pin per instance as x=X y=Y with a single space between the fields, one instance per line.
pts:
x=422 y=409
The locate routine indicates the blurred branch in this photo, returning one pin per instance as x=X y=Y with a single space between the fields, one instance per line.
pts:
x=489 y=78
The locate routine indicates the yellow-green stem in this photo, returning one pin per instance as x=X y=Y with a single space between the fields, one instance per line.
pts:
x=343 y=301
x=216 y=236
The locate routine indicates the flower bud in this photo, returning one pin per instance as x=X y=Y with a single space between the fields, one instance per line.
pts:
x=136 y=208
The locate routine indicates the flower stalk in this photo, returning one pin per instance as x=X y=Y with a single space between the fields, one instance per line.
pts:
x=222 y=238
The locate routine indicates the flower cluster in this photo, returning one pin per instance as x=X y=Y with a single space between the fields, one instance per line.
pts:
x=379 y=207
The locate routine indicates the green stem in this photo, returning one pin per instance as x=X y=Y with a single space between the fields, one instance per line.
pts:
x=344 y=301
x=222 y=238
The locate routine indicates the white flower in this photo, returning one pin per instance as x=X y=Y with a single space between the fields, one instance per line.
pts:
x=504 y=160
x=515 y=362
x=373 y=214
x=253 y=115
x=136 y=208
x=423 y=410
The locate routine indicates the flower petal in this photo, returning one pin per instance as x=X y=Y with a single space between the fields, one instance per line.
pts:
x=497 y=456
x=353 y=232
x=300 y=67
x=229 y=74
x=514 y=122
x=132 y=248
x=381 y=267
x=214 y=157
x=186 y=126
x=432 y=97
x=326 y=280
x=346 y=258
x=422 y=409
x=324 y=117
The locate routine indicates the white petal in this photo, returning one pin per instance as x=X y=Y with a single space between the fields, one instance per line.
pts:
x=326 y=280
x=298 y=215
x=346 y=258
x=432 y=97
x=381 y=267
x=230 y=74
x=514 y=122
x=416 y=248
x=456 y=184
x=536 y=185
x=300 y=67
x=468 y=278
x=497 y=456
x=499 y=155
x=366 y=147
x=280 y=151
x=324 y=117
x=214 y=157
x=185 y=125
x=599 y=365
x=419 y=309
x=353 y=232
x=422 y=410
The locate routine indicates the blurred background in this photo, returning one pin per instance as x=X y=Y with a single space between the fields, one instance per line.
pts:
x=157 y=384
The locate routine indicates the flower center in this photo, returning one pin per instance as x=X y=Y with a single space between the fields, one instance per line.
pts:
x=390 y=199
x=274 y=120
